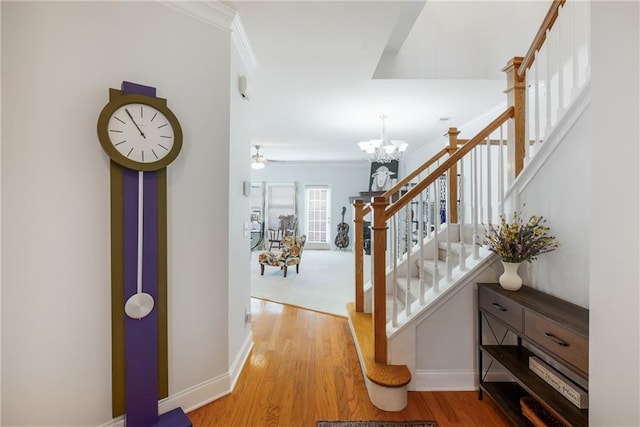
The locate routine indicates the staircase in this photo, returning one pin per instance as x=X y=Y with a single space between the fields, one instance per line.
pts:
x=426 y=232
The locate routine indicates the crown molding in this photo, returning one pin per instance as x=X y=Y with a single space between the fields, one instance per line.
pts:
x=221 y=17
x=317 y=163
x=242 y=43
x=211 y=13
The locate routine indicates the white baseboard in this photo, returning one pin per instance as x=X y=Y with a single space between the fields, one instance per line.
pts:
x=203 y=393
x=424 y=380
x=241 y=358
x=451 y=380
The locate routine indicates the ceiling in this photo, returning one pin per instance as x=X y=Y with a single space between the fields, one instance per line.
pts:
x=327 y=70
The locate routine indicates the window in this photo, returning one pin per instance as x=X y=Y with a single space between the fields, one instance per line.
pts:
x=318 y=216
x=281 y=200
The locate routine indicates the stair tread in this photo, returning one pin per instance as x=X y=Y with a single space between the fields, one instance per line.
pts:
x=455 y=247
x=429 y=265
x=379 y=373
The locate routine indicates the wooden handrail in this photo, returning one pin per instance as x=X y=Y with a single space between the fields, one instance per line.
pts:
x=459 y=154
x=387 y=194
x=540 y=37
x=494 y=142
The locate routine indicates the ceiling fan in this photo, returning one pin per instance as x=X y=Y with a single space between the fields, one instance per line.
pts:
x=258 y=161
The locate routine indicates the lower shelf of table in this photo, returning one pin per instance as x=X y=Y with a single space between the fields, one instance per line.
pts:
x=507 y=397
x=515 y=360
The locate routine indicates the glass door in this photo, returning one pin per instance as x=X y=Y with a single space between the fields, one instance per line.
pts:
x=317 y=213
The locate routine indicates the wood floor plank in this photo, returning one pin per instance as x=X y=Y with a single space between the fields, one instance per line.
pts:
x=304 y=368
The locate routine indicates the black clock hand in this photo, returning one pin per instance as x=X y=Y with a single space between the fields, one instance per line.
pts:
x=134 y=122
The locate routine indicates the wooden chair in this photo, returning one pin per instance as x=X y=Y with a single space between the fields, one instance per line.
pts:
x=287 y=227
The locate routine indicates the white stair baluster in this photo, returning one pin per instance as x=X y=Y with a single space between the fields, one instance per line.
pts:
x=536 y=108
x=480 y=176
x=574 y=51
x=409 y=240
x=394 y=257
x=547 y=86
x=588 y=39
x=436 y=230
x=490 y=181
x=421 y=225
x=527 y=100
x=501 y=169
x=447 y=210
x=474 y=206
x=558 y=30
x=462 y=207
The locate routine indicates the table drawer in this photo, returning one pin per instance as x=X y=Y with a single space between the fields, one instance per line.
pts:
x=501 y=307
x=563 y=343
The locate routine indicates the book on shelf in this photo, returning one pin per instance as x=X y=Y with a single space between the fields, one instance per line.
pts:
x=559 y=382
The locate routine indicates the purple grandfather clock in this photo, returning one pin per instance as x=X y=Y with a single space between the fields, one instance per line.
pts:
x=141 y=136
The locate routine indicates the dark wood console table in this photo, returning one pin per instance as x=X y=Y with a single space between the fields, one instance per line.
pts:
x=553 y=330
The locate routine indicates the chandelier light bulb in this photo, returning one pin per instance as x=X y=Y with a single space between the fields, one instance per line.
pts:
x=383 y=150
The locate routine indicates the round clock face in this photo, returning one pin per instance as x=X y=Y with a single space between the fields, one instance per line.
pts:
x=140 y=133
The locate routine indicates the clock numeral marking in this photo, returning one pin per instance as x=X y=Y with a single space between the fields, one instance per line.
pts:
x=141 y=113
x=162 y=146
x=115 y=130
x=154 y=153
x=121 y=142
x=163 y=125
x=124 y=123
x=165 y=136
x=143 y=155
x=129 y=153
x=154 y=116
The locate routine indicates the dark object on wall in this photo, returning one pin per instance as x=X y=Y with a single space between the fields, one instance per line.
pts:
x=383 y=175
x=342 y=239
x=367 y=238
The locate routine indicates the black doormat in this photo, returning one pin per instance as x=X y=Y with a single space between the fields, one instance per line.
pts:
x=419 y=423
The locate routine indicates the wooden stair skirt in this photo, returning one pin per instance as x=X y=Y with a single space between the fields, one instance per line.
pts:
x=386 y=384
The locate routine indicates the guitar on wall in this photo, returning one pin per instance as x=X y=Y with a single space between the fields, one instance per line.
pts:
x=342 y=239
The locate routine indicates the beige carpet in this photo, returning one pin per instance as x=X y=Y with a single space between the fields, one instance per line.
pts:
x=325 y=281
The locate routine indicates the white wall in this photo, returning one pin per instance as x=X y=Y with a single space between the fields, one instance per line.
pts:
x=239 y=243
x=613 y=263
x=559 y=192
x=345 y=179
x=446 y=350
x=59 y=60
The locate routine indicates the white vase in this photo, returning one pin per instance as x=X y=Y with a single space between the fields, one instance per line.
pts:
x=510 y=280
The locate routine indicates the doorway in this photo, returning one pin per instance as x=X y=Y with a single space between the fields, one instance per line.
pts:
x=317 y=204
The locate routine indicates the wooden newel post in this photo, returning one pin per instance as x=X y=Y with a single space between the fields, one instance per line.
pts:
x=378 y=254
x=453 y=177
x=515 y=129
x=358 y=247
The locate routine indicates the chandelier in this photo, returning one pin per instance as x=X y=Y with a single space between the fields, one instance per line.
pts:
x=258 y=161
x=383 y=150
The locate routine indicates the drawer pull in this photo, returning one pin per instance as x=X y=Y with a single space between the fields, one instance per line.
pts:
x=498 y=306
x=556 y=340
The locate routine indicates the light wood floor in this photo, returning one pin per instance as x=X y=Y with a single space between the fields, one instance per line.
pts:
x=304 y=368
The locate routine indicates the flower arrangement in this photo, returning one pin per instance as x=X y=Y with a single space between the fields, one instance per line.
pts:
x=520 y=241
